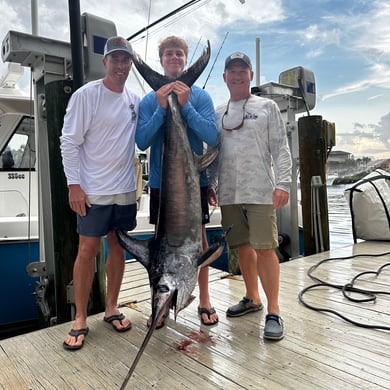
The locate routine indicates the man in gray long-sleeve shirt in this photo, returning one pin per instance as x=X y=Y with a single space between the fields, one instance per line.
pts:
x=252 y=178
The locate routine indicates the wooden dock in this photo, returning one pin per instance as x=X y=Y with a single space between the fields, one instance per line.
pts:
x=319 y=350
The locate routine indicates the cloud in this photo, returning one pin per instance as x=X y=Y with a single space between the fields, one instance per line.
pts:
x=367 y=34
x=382 y=130
x=374 y=43
x=13 y=16
x=346 y=44
x=321 y=36
x=209 y=19
x=376 y=96
x=361 y=146
x=377 y=75
x=372 y=138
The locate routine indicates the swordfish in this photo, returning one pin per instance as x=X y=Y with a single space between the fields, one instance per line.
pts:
x=174 y=254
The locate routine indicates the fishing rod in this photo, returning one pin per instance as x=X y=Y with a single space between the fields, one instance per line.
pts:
x=172 y=13
x=189 y=4
x=194 y=51
x=215 y=60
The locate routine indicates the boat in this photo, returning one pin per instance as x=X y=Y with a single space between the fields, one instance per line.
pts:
x=18 y=206
x=330 y=178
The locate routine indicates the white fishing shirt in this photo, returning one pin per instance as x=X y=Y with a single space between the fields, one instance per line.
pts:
x=97 y=142
x=254 y=160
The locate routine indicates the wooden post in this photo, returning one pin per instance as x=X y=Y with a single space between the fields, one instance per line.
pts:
x=57 y=95
x=312 y=162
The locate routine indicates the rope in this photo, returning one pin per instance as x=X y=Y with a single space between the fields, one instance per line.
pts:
x=347 y=289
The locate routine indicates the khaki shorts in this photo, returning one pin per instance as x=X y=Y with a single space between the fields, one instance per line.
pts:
x=252 y=224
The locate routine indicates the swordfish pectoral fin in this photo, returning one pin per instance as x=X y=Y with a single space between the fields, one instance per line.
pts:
x=210 y=255
x=207 y=158
x=138 y=248
x=214 y=251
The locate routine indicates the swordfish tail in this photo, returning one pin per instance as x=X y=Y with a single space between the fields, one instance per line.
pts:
x=189 y=76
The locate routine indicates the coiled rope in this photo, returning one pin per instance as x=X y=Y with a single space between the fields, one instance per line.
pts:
x=347 y=289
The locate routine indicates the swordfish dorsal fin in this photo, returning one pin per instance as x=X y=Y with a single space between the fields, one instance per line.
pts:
x=157 y=80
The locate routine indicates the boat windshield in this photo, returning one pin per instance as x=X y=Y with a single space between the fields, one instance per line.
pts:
x=19 y=153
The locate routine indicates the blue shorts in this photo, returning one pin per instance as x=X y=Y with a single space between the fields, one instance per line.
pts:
x=154 y=205
x=101 y=219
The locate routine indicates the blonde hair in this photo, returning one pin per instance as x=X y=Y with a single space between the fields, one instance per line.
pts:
x=172 y=41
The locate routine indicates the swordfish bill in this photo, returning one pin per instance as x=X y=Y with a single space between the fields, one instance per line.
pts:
x=174 y=254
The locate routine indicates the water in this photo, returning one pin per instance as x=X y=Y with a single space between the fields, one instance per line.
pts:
x=340 y=225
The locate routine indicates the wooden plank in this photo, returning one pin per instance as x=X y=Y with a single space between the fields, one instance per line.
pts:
x=319 y=350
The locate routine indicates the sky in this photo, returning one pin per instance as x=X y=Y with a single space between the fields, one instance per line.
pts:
x=346 y=44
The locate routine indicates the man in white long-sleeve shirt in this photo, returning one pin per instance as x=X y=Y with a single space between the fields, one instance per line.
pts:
x=98 y=147
x=252 y=177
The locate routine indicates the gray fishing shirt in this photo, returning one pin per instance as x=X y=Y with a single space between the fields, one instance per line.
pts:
x=253 y=160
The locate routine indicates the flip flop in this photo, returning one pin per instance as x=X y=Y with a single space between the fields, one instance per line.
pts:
x=208 y=312
x=117 y=317
x=76 y=333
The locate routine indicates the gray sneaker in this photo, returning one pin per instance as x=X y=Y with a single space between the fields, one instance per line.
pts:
x=273 y=329
x=245 y=306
